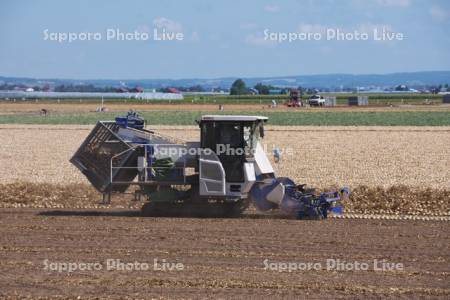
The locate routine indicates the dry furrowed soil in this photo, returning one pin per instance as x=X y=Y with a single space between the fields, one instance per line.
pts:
x=243 y=258
x=49 y=216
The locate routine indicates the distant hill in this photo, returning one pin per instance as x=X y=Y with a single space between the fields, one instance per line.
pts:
x=318 y=81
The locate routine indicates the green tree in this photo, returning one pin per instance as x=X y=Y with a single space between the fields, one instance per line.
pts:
x=401 y=87
x=263 y=89
x=238 y=87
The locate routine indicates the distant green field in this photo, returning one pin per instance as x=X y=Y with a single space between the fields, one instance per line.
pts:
x=374 y=99
x=406 y=118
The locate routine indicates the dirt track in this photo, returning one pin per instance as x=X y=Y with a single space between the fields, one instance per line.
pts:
x=221 y=257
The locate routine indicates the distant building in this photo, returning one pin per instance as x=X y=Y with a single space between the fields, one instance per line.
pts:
x=137 y=89
x=86 y=95
x=277 y=92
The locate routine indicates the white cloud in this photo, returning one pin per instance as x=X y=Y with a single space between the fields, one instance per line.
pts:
x=272 y=8
x=370 y=27
x=195 y=37
x=257 y=39
x=326 y=50
x=312 y=28
x=143 y=28
x=167 y=24
x=439 y=13
x=362 y=28
x=401 y=3
x=248 y=26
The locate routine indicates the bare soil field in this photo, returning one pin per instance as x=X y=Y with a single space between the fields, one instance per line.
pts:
x=49 y=216
x=35 y=107
x=318 y=156
x=401 y=170
x=221 y=258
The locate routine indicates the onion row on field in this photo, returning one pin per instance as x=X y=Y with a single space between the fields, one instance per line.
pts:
x=397 y=200
x=318 y=156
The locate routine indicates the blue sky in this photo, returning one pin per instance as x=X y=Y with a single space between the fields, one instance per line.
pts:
x=221 y=38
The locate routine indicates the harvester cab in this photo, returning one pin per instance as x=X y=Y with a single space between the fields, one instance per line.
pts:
x=227 y=157
x=217 y=176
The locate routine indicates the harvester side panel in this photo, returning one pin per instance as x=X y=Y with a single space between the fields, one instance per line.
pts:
x=93 y=158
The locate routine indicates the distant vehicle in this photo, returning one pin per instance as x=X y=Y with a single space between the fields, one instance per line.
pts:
x=295 y=98
x=316 y=100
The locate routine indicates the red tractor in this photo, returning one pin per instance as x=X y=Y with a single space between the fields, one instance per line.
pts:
x=295 y=98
